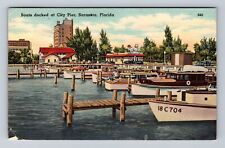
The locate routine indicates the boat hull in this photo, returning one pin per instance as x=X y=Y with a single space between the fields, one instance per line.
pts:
x=109 y=86
x=139 y=89
x=182 y=112
x=69 y=75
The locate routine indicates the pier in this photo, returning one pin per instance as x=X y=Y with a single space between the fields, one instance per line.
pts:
x=70 y=105
x=18 y=74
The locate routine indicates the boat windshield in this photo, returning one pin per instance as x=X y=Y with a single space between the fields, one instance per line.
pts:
x=186 y=77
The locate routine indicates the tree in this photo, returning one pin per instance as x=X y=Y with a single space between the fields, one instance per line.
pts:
x=26 y=56
x=121 y=49
x=13 y=57
x=150 y=50
x=205 y=50
x=104 y=45
x=168 y=41
x=178 y=46
x=83 y=44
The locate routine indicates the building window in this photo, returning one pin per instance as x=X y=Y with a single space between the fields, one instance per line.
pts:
x=48 y=60
x=54 y=60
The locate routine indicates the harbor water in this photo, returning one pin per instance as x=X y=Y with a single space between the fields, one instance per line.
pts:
x=34 y=112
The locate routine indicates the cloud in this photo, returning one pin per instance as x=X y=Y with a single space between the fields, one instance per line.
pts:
x=190 y=29
x=40 y=35
x=126 y=30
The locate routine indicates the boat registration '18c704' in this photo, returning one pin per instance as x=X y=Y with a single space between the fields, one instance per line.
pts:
x=190 y=105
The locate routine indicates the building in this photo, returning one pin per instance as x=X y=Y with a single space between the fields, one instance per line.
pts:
x=55 y=55
x=181 y=58
x=120 y=58
x=63 y=32
x=19 y=45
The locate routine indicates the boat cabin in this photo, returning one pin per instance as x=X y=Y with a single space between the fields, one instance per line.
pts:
x=178 y=79
x=203 y=97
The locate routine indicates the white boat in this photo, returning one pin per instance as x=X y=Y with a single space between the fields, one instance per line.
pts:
x=105 y=76
x=191 y=105
x=69 y=74
x=117 y=84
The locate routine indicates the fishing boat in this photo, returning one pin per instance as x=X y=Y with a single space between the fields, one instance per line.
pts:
x=190 y=105
x=173 y=81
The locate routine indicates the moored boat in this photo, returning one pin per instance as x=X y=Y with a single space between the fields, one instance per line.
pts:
x=105 y=75
x=173 y=81
x=190 y=105
x=117 y=84
x=69 y=74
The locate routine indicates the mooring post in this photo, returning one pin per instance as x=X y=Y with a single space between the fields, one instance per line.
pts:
x=55 y=79
x=97 y=77
x=84 y=75
x=70 y=111
x=129 y=84
x=100 y=77
x=65 y=100
x=115 y=93
x=169 y=95
x=18 y=74
x=122 y=107
x=157 y=93
x=73 y=83
x=45 y=73
x=32 y=73
x=58 y=75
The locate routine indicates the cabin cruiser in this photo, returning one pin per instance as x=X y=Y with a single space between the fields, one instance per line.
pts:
x=173 y=81
x=189 y=105
x=126 y=79
x=189 y=78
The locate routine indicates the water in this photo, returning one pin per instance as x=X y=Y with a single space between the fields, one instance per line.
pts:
x=35 y=113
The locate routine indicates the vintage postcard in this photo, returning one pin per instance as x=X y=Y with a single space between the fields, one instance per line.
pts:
x=112 y=73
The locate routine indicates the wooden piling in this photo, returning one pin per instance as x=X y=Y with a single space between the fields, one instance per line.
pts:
x=97 y=77
x=157 y=93
x=45 y=73
x=65 y=100
x=18 y=74
x=83 y=75
x=58 y=74
x=115 y=93
x=55 y=79
x=70 y=111
x=100 y=77
x=73 y=83
x=32 y=73
x=169 y=95
x=129 y=84
x=122 y=107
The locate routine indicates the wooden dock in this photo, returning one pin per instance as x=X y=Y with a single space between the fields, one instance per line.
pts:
x=69 y=105
x=32 y=74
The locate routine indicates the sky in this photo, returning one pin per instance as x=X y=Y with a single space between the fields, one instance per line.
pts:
x=128 y=26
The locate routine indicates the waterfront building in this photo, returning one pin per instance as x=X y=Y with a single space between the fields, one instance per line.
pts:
x=181 y=58
x=19 y=45
x=55 y=55
x=63 y=32
x=120 y=58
